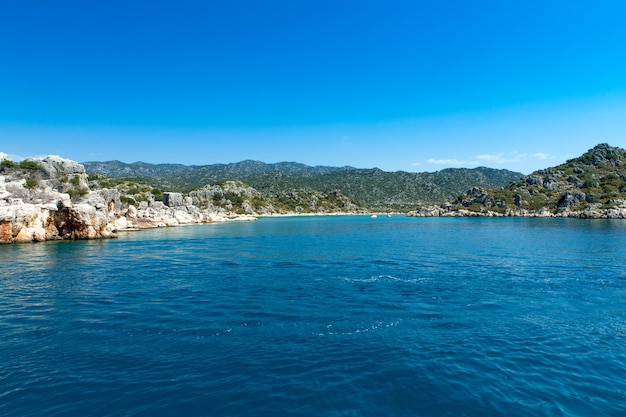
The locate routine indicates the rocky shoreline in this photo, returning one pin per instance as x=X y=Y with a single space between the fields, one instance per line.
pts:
x=592 y=186
x=618 y=212
x=52 y=198
x=54 y=202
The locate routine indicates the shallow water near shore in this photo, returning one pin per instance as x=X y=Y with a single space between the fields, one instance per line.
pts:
x=312 y=316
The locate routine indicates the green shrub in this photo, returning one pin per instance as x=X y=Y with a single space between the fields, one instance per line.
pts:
x=30 y=165
x=75 y=181
x=234 y=198
x=30 y=183
x=104 y=182
x=78 y=191
x=475 y=207
x=158 y=194
x=538 y=202
x=7 y=163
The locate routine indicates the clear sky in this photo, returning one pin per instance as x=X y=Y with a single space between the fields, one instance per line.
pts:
x=400 y=85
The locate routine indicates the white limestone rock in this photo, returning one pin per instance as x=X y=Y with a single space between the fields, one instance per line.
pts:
x=55 y=166
x=47 y=211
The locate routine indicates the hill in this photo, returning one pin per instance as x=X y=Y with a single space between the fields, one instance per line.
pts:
x=590 y=186
x=371 y=188
x=50 y=198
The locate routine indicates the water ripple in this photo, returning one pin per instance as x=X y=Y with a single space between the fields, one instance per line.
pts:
x=331 y=316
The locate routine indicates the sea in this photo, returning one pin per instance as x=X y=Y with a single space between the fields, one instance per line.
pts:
x=320 y=316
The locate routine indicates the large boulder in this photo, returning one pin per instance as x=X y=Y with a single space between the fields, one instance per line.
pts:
x=173 y=199
x=20 y=222
x=64 y=170
x=54 y=166
x=571 y=199
x=83 y=221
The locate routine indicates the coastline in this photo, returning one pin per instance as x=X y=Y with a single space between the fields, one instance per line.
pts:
x=617 y=212
x=52 y=198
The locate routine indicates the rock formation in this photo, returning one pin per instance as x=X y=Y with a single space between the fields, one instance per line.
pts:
x=592 y=186
x=36 y=202
x=49 y=198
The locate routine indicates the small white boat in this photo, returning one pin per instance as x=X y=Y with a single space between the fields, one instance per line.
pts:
x=373 y=216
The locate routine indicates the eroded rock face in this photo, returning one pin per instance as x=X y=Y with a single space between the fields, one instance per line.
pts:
x=571 y=199
x=55 y=167
x=56 y=218
x=83 y=221
x=21 y=222
x=173 y=199
x=35 y=205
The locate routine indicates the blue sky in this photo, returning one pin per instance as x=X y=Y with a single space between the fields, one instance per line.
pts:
x=399 y=85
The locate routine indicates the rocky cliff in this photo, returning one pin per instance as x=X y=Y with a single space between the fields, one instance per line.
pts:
x=590 y=186
x=53 y=198
x=50 y=198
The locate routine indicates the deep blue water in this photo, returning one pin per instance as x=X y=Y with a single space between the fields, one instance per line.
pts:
x=322 y=316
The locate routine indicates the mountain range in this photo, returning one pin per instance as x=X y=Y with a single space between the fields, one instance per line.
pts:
x=372 y=188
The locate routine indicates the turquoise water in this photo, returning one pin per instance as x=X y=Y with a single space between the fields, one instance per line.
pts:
x=323 y=316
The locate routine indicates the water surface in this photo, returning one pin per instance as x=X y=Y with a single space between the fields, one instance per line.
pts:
x=333 y=316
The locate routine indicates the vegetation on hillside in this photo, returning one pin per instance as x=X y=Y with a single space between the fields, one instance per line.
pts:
x=7 y=165
x=232 y=197
x=595 y=180
x=132 y=191
x=28 y=170
x=371 y=188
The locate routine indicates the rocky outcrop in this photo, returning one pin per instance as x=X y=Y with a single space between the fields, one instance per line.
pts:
x=156 y=214
x=34 y=204
x=230 y=195
x=52 y=198
x=592 y=186
x=616 y=212
x=49 y=198
x=61 y=219
x=21 y=222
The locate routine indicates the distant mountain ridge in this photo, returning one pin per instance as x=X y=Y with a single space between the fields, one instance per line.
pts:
x=373 y=188
x=118 y=169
